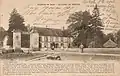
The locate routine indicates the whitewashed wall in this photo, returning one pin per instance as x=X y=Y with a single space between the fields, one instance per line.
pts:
x=5 y=42
x=42 y=38
x=48 y=38
x=48 y=45
x=54 y=39
x=59 y=39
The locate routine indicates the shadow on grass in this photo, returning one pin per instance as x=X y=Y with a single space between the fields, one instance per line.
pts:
x=17 y=55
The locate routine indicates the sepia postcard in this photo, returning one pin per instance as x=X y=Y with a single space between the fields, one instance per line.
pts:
x=59 y=37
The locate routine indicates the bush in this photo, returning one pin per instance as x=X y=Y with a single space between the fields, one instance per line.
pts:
x=18 y=50
x=6 y=51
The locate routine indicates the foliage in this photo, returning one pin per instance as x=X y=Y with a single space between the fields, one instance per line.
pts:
x=118 y=38
x=16 y=21
x=110 y=36
x=86 y=28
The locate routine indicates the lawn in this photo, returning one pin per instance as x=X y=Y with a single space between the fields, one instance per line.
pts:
x=69 y=54
x=17 y=55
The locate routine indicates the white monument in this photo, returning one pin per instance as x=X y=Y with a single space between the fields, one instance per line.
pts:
x=16 y=39
x=34 y=41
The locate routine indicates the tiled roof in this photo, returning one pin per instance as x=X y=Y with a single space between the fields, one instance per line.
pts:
x=110 y=43
x=51 y=32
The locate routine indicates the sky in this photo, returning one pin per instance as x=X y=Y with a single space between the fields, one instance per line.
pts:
x=53 y=20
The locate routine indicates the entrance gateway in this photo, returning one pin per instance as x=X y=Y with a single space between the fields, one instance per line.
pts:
x=25 y=40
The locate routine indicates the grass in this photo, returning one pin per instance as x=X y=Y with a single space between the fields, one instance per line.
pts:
x=17 y=55
x=64 y=56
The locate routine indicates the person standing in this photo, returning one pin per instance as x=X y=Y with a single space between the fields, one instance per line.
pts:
x=52 y=47
x=81 y=47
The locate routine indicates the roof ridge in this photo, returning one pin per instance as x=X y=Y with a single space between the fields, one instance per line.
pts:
x=48 y=28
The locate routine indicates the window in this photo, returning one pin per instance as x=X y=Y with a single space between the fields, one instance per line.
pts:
x=51 y=38
x=46 y=39
x=61 y=39
x=40 y=39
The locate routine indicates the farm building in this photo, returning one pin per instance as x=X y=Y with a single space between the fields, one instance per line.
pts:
x=110 y=44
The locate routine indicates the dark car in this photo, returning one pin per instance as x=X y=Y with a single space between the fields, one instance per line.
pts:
x=54 y=57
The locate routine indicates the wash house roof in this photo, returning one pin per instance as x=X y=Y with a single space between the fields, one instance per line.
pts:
x=110 y=44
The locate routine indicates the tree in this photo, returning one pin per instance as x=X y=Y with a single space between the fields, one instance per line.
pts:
x=118 y=38
x=86 y=28
x=110 y=36
x=16 y=22
x=79 y=26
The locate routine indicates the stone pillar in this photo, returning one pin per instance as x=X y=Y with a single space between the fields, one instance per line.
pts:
x=16 y=40
x=34 y=41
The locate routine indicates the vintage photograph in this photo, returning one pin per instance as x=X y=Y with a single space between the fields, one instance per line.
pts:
x=77 y=31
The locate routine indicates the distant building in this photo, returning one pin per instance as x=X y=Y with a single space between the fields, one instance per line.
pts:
x=110 y=44
x=2 y=36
